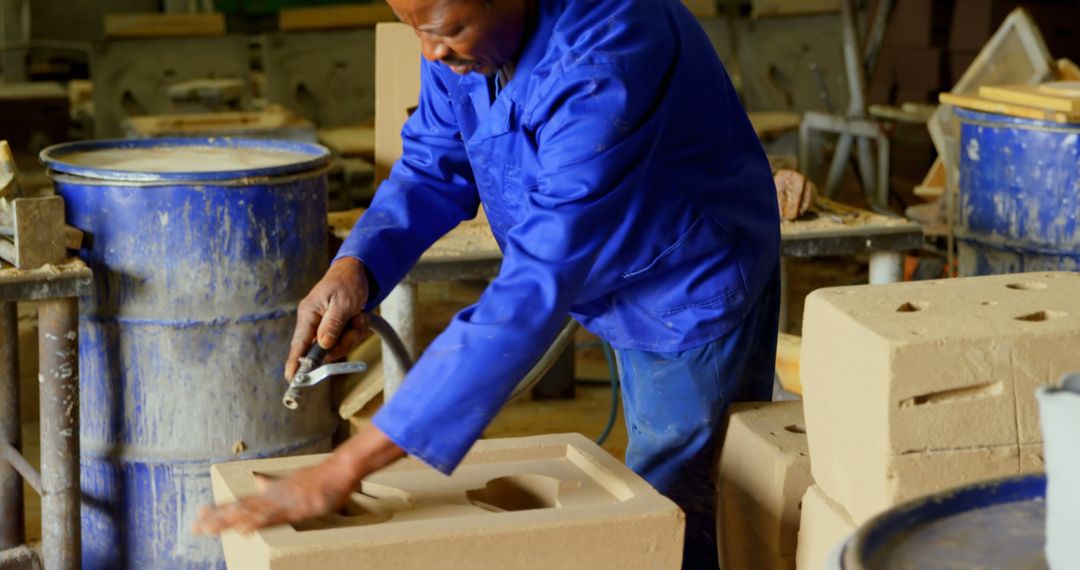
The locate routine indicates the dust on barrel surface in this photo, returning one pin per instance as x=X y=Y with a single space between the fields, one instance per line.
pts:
x=1019 y=195
x=201 y=250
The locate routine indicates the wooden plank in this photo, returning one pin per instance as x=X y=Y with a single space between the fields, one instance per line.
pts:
x=163 y=25
x=1067 y=70
x=360 y=389
x=781 y=8
x=788 y=355
x=933 y=184
x=1031 y=96
x=978 y=103
x=397 y=90
x=1068 y=89
x=334 y=17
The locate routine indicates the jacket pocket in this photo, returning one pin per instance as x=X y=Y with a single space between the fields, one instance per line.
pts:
x=699 y=270
x=667 y=251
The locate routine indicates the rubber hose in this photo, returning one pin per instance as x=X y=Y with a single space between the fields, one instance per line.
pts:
x=405 y=363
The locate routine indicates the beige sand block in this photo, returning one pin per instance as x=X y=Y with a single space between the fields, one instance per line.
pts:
x=764 y=472
x=543 y=502
x=824 y=525
x=901 y=369
x=884 y=482
x=753 y=554
x=1031 y=459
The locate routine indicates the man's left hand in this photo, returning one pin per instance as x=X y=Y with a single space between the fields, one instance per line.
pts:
x=308 y=493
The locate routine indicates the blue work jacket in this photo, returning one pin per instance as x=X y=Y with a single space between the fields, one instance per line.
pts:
x=623 y=182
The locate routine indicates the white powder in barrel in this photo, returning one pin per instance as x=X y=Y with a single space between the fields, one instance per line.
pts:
x=183 y=159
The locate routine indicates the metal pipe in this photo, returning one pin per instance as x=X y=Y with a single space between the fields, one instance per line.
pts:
x=392 y=345
x=876 y=36
x=399 y=310
x=58 y=342
x=886 y=267
x=395 y=347
x=11 y=496
x=21 y=465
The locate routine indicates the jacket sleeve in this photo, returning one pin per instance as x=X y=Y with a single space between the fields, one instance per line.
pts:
x=430 y=190
x=595 y=132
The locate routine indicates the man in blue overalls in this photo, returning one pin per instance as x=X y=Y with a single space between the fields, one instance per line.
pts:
x=625 y=186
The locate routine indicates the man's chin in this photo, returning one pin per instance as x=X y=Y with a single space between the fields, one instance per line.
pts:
x=470 y=68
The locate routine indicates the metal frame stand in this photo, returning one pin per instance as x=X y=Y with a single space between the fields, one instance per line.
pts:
x=854 y=127
x=57 y=290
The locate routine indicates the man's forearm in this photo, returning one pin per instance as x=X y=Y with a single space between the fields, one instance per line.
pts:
x=364 y=453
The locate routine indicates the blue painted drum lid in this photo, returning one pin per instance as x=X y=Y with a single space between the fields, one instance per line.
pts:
x=976 y=526
x=184 y=159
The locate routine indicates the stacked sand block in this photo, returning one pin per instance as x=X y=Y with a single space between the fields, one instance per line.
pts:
x=911 y=388
x=556 y=501
x=764 y=472
x=824 y=525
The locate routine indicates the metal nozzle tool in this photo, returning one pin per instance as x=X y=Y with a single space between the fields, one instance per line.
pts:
x=312 y=371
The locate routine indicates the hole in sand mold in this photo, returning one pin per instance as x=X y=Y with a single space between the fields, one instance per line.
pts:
x=989 y=303
x=1041 y=316
x=371 y=504
x=954 y=394
x=1027 y=286
x=795 y=428
x=912 y=307
x=520 y=493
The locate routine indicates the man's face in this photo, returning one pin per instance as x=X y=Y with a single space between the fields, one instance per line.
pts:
x=467 y=35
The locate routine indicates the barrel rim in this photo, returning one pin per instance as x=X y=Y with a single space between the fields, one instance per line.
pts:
x=998 y=120
x=52 y=157
x=877 y=533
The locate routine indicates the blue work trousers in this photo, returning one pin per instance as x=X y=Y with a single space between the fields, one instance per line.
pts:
x=675 y=404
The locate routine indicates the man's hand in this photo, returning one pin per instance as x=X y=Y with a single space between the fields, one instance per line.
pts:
x=336 y=301
x=307 y=493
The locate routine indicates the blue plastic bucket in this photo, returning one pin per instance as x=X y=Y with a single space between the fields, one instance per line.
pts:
x=1019 y=195
x=998 y=524
x=201 y=250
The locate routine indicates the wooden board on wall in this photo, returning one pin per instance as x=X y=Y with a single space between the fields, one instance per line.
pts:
x=397 y=89
x=163 y=25
x=331 y=17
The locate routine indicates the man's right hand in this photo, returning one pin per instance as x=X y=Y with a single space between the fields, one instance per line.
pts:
x=333 y=312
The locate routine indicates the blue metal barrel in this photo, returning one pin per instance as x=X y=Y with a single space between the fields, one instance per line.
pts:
x=1019 y=195
x=998 y=524
x=201 y=250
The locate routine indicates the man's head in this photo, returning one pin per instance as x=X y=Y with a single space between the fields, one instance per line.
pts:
x=467 y=35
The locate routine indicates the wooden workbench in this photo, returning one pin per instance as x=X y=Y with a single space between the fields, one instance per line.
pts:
x=469 y=251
